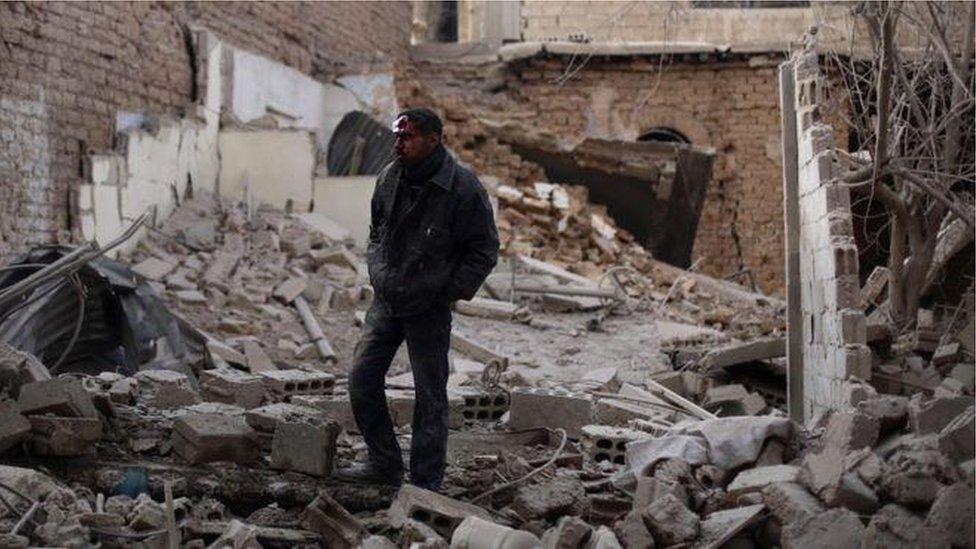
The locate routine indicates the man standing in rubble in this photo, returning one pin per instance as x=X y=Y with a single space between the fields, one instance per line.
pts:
x=432 y=241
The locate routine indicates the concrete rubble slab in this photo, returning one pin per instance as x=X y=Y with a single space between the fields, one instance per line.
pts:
x=931 y=415
x=232 y=387
x=632 y=532
x=536 y=407
x=952 y=513
x=756 y=480
x=790 y=501
x=891 y=411
x=741 y=353
x=894 y=527
x=14 y=427
x=651 y=489
x=721 y=526
x=851 y=431
x=827 y=530
x=550 y=499
x=64 y=397
x=267 y=418
x=569 y=532
x=203 y=438
x=153 y=268
x=64 y=436
x=957 y=440
x=18 y=368
x=670 y=522
x=440 y=512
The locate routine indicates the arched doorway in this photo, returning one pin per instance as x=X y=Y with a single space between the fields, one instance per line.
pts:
x=662 y=134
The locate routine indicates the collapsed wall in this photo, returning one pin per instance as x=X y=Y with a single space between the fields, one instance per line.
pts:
x=74 y=74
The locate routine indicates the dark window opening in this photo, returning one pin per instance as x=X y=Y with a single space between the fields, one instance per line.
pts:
x=664 y=135
x=446 y=28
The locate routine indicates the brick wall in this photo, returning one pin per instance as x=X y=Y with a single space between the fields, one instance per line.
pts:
x=730 y=105
x=67 y=68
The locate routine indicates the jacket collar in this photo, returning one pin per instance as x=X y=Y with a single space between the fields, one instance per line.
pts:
x=445 y=175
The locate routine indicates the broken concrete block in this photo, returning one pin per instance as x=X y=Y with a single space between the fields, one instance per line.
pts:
x=889 y=410
x=147 y=514
x=927 y=416
x=617 y=412
x=915 y=489
x=165 y=389
x=256 y=359
x=720 y=527
x=440 y=512
x=305 y=447
x=332 y=522
x=601 y=379
x=733 y=400
x=952 y=513
x=894 y=527
x=824 y=474
x=288 y=290
x=857 y=390
x=13 y=426
x=232 y=386
x=741 y=353
x=670 y=522
x=550 y=499
x=569 y=532
x=18 y=368
x=267 y=418
x=64 y=436
x=419 y=535
x=790 y=501
x=957 y=440
x=757 y=479
x=153 y=268
x=851 y=431
x=651 y=489
x=632 y=532
x=65 y=397
x=603 y=443
x=282 y=384
x=202 y=438
x=536 y=407
x=336 y=408
x=828 y=530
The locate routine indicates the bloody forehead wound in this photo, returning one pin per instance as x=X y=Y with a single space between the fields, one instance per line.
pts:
x=403 y=126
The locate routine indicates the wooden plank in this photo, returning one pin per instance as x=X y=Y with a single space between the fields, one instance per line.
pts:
x=791 y=203
x=678 y=400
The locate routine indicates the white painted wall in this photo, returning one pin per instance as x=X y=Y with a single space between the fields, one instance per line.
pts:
x=346 y=201
x=274 y=166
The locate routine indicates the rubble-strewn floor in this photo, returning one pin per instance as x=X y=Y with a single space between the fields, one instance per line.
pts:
x=612 y=426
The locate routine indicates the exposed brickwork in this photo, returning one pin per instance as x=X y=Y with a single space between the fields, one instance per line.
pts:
x=67 y=68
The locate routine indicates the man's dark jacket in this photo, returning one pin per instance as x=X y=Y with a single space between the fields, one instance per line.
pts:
x=440 y=250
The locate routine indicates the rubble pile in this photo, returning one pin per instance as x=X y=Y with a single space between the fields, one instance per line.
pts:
x=233 y=442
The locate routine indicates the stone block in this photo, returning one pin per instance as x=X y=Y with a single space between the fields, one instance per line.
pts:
x=632 y=532
x=790 y=501
x=282 y=384
x=894 y=527
x=604 y=443
x=304 y=447
x=440 y=512
x=551 y=408
x=550 y=499
x=890 y=411
x=958 y=438
x=203 y=438
x=53 y=436
x=926 y=416
x=850 y=431
x=651 y=489
x=165 y=389
x=952 y=513
x=828 y=530
x=64 y=397
x=232 y=386
x=670 y=522
x=13 y=426
x=757 y=479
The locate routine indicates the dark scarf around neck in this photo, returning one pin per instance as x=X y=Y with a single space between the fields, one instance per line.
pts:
x=421 y=173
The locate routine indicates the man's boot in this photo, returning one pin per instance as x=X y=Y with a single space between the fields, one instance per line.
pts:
x=370 y=473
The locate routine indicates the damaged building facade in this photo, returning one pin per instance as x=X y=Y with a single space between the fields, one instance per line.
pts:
x=688 y=339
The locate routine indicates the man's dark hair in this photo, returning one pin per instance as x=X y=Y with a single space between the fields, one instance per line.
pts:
x=425 y=119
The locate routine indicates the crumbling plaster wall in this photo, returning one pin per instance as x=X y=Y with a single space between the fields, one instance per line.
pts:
x=731 y=106
x=69 y=68
x=833 y=322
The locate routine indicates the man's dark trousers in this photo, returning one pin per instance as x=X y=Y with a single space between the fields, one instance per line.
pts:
x=428 y=337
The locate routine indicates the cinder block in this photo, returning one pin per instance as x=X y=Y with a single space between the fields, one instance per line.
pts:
x=481 y=405
x=165 y=389
x=536 y=407
x=605 y=443
x=266 y=419
x=202 y=438
x=441 y=513
x=233 y=387
x=282 y=384
x=335 y=407
x=305 y=447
